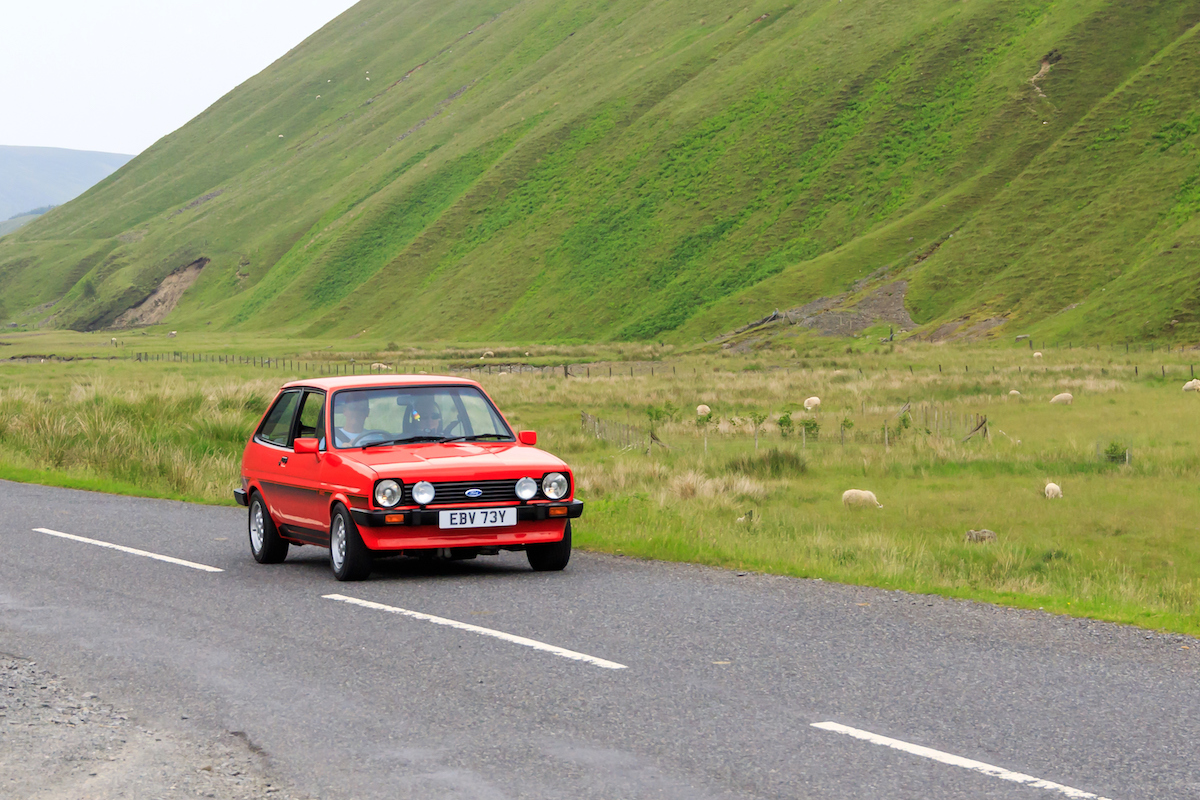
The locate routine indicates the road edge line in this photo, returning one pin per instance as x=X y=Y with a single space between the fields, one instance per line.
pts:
x=957 y=761
x=464 y=626
x=131 y=550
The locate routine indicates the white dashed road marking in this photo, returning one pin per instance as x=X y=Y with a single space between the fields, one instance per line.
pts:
x=958 y=761
x=132 y=550
x=462 y=626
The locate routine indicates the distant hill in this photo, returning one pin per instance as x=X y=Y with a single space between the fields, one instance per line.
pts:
x=600 y=169
x=46 y=176
x=12 y=223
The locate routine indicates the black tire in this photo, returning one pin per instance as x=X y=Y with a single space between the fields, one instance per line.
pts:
x=266 y=545
x=552 y=556
x=349 y=557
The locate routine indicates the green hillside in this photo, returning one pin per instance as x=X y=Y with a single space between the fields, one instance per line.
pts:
x=628 y=169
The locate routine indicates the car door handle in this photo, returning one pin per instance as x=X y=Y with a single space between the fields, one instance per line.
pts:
x=283 y=461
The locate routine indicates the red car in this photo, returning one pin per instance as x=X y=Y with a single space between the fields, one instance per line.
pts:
x=388 y=465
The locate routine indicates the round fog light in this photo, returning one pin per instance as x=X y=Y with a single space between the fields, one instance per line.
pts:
x=526 y=488
x=387 y=493
x=555 y=485
x=423 y=493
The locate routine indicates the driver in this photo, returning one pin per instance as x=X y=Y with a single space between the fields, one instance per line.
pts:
x=426 y=417
x=354 y=408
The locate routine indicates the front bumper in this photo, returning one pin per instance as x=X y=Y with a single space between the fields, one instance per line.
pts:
x=416 y=517
x=240 y=496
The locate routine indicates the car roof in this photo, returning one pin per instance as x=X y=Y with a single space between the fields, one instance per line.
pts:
x=371 y=381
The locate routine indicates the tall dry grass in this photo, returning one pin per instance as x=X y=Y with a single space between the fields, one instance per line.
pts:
x=178 y=438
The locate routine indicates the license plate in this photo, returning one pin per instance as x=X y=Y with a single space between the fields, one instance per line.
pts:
x=477 y=518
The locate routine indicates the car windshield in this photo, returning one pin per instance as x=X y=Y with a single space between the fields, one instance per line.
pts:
x=394 y=415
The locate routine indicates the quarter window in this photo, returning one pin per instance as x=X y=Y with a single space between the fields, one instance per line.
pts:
x=312 y=417
x=277 y=427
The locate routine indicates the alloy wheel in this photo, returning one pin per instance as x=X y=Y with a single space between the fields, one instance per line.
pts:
x=257 y=528
x=337 y=542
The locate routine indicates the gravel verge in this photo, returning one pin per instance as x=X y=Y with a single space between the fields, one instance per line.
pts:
x=59 y=742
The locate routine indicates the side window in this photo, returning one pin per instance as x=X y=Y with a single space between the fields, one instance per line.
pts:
x=312 y=425
x=277 y=427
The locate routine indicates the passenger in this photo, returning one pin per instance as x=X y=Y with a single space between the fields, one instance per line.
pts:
x=426 y=418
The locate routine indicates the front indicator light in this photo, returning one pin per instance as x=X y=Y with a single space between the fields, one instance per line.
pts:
x=526 y=488
x=558 y=511
x=423 y=493
x=555 y=485
x=394 y=519
x=388 y=493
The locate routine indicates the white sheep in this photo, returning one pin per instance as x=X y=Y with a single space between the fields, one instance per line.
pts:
x=1013 y=393
x=1064 y=399
x=859 y=497
x=812 y=404
x=1053 y=491
x=1037 y=354
x=380 y=365
x=488 y=354
x=113 y=341
x=703 y=410
x=1192 y=386
x=171 y=335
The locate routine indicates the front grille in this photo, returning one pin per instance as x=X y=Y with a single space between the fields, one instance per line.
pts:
x=452 y=492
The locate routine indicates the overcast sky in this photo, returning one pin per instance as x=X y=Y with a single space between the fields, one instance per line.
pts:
x=117 y=75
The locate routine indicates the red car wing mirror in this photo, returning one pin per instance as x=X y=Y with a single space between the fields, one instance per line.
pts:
x=305 y=446
x=525 y=437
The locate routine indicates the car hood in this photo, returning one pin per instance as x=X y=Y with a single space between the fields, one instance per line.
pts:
x=448 y=461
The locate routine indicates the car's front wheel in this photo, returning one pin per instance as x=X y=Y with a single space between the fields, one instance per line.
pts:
x=266 y=545
x=350 y=558
x=551 y=556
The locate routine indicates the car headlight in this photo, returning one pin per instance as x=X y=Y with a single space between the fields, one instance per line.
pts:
x=555 y=485
x=423 y=493
x=388 y=493
x=526 y=488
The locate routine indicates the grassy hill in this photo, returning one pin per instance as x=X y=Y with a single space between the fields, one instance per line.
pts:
x=33 y=177
x=630 y=169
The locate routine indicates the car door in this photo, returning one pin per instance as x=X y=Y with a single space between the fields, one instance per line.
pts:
x=269 y=451
x=308 y=505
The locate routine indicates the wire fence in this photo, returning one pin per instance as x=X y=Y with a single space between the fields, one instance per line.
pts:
x=582 y=370
x=620 y=434
x=353 y=367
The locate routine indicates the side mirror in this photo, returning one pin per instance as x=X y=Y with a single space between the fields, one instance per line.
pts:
x=305 y=446
x=527 y=437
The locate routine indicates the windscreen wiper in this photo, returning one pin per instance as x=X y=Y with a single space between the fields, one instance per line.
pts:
x=405 y=440
x=479 y=437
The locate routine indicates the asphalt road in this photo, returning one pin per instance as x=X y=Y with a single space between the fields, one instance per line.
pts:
x=725 y=674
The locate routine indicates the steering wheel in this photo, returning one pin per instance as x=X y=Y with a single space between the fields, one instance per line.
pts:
x=367 y=437
x=456 y=424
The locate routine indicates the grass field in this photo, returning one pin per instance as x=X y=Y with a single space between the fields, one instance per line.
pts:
x=1122 y=544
